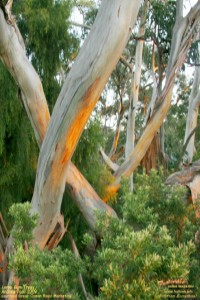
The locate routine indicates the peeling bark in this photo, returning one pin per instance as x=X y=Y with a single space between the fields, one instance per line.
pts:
x=58 y=233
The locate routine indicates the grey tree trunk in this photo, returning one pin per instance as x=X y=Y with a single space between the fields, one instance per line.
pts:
x=191 y=123
x=81 y=90
x=73 y=108
x=130 y=135
x=13 y=55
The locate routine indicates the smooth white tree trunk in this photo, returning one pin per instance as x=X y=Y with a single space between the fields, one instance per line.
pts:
x=81 y=90
x=191 y=123
x=13 y=55
x=130 y=134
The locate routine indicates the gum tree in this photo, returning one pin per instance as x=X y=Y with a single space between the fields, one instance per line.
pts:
x=74 y=105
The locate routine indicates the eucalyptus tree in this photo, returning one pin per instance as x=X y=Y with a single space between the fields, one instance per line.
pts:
x=75 y=103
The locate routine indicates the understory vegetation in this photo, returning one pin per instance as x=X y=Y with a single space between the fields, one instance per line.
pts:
x=153 y=240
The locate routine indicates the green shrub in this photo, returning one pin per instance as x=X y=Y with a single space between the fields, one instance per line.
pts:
x=152 y=241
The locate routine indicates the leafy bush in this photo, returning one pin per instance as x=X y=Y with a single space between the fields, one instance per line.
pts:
x=130 y=264
x=49 y=273
x=152 y=241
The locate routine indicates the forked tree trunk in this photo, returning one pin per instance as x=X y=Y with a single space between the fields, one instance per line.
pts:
x=80 y=92
x=183 y=34
x=13 y=56
x=191 y=124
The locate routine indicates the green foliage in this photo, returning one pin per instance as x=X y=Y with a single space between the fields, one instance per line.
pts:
x=161 y=17
x=193 y=55
x=133 y=263
x=18 y=149
x=87 y=158
x=155 y=203
x=137 y=251
x=49 y=43
x=58 y=269
x=151 y=242
x=24 y=223
x=85 y=3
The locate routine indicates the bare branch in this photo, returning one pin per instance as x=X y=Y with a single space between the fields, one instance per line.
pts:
x=85 y=26
x=108 y=161
x=126 y=63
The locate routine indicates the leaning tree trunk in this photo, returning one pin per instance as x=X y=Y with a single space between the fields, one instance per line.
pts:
x=183 y=34
x=81 y=90
x=130 y=135
x=191 y=123
x=13 y=55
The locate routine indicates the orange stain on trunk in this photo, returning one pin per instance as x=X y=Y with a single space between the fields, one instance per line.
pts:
x=68 y=143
